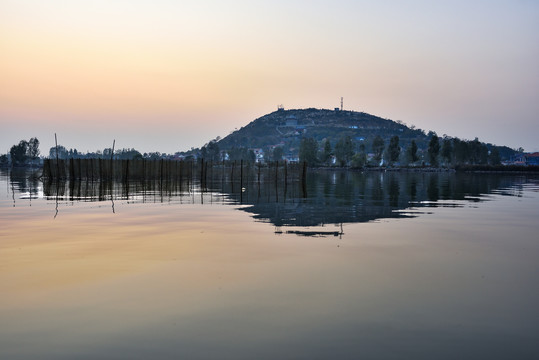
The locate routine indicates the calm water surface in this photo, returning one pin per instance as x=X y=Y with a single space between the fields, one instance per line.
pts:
x=353 y=266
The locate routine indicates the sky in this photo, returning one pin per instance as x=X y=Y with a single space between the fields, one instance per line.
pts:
x=168 y=75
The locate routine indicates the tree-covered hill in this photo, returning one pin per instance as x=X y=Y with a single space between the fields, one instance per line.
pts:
x=290 y=126
x=287 y=128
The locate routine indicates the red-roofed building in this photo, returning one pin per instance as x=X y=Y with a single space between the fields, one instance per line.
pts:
x=531 y=159
x=525 y=159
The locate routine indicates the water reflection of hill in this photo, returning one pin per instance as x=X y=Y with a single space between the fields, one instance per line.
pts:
x=347 y=197
x=327 y=198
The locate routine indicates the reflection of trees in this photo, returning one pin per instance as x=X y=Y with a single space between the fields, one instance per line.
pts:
x=411 y=185
x=361 y=197
x=393 y=191
x=445 y=188
x=333 y=197
x=24 y=181
x=19 y=180
x=432 y=188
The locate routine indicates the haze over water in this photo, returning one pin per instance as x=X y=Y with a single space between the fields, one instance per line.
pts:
x=356 y=265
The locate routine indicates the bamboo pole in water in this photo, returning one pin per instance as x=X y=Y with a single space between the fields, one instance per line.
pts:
x=211 y=172
x=259 y=175
x=161 y=175
x=71 y=169
x=112 y=157
x=205 y=175
x=241 y=181
x=232 y=175
x=99 y=169
x=57 y=162
x=173 y=171
x=303 y=179
x=92 y=169
x=285 y=173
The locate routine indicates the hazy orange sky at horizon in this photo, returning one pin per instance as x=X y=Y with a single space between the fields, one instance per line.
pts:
x=170 y=75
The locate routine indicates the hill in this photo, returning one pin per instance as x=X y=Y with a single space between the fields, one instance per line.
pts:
x=289 y=126
x=286 y=129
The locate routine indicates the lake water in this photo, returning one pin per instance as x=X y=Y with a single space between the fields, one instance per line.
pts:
x=350 y=266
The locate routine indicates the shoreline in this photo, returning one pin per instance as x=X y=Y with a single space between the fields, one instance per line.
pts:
x=471 y=169
x=474 y=169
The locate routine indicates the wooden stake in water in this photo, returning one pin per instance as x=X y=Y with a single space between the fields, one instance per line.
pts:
x=202 y=173
x=303 y=179
x=285 y=173
x=241 y=181
x=57 y=162
x=276 y=172
x=112 y=157
x=205 y=175
x=232 y=175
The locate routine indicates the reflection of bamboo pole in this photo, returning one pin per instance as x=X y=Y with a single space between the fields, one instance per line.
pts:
x=189 y=164
x=57 y=185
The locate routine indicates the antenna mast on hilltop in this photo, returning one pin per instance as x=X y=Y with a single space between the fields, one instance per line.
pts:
x=341 y=103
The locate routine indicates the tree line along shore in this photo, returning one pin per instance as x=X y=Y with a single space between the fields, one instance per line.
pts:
x=442 y=154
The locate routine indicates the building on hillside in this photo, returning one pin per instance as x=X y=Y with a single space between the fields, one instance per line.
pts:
x=223 y=154
x=291 y=158
x=259 y=155
x=291 y=121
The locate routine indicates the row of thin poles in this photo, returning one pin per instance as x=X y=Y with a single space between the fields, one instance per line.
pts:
x=168 y=176
x=205 y=172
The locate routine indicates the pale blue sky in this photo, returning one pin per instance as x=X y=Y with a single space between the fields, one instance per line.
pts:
x=168 y=75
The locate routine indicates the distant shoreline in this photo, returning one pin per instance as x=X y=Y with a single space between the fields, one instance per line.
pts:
x=477 y=169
